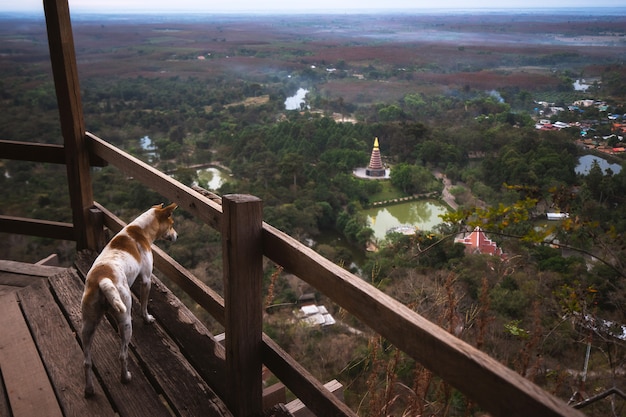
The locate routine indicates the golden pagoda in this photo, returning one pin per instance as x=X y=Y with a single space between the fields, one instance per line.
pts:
x=375 y=167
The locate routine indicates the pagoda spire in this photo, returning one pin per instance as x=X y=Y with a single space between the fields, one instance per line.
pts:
x=375 y=167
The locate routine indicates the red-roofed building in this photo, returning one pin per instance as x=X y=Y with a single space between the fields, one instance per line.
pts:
x=478 y=242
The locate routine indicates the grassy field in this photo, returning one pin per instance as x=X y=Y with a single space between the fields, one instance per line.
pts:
x=389 y=192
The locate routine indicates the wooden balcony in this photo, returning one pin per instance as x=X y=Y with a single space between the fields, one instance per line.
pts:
x=180 y=368
x=41 y=357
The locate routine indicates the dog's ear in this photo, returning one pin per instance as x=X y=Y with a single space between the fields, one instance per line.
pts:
x=158 y=206
x=170 y=209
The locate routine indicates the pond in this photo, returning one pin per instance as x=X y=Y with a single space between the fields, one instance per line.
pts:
x=585 y=163
x=149 y=148
x=294 y=102
x=421 y=214
x=211 y=178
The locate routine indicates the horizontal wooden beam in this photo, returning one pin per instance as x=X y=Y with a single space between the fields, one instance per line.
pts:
x=36 y=227
x=293 y=375
x=39 y=152
x=491 y=384
x=187 y=199
x=500 y=390
x=305 y=386
x=34 y=152
x=31 y=270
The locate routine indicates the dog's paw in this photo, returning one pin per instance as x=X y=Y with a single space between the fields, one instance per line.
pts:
x=148 y=319
x=126 y=377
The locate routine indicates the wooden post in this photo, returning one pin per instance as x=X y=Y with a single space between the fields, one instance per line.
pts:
x=242 y=253
x=64 y=70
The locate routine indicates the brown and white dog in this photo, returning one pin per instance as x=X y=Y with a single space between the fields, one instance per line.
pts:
x=126 y=257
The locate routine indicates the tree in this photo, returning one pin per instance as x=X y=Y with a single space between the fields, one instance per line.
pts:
x=390 y=113
x=594 y=179
x=411 y=179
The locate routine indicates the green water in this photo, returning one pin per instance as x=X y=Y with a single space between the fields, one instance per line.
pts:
x=211 y=178
x=423 y=214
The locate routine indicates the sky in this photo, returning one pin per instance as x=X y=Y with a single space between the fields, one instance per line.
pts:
x=343 y=6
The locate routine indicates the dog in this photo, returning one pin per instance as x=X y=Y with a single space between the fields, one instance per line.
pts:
x=107 y=287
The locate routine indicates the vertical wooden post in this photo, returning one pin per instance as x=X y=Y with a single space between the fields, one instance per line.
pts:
x=65 y=73
x=242 y=252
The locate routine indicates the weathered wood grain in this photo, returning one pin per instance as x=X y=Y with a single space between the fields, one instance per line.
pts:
x=196 y=343
x=187 y=392
x=60 y=352
x=494 y=386
x=243 y=274
x=189 y=200
x=38 y=152
x=5 y=410
x=67 y=86
x=106 y=357
x=23 y=268
x=181 y=385
x=27 y=385
x=304 y=385
x=37 y=227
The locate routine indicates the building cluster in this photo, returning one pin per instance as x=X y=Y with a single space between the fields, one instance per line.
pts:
x=312 y=314
x=610 y=144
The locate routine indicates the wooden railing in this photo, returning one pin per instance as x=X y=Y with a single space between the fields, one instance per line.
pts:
x=246 y=239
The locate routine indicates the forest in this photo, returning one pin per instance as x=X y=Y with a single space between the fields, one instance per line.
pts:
x=552 y=309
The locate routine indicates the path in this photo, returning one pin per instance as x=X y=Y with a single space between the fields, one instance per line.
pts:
x=446 y=195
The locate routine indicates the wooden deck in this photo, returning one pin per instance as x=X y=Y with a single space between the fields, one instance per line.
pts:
x=41 y=372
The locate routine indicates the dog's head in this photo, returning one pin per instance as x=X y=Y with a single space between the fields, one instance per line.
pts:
x=165 y=221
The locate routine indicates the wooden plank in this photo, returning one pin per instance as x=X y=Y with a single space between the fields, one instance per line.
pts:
x=455 y=361
x=36 y=270
x=37 y=227
x=50 y=260
x=21 y=274
x=243 y=275
x=198 y=345
x=273 y=395
x=38 y=152
x=187 y=199
x=182 y=386
x=298 y=409
x=300 y=381
x=18 y=280
x=106 y=357
x=60 y=352
x=7 y=289
x=195 y=342
x=5 y=409
x=161 y=357
x=29 y=390
x=31 y=151
x=65 y=74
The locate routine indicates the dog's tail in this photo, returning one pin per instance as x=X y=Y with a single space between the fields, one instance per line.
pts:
x=112 y=295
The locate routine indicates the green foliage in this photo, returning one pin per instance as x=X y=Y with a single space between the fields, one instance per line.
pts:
x=513 y=328
x=301 y=165
x=533 y=161
x=412 y=179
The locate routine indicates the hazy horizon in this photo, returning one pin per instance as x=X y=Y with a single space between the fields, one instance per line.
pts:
x=320 y=6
